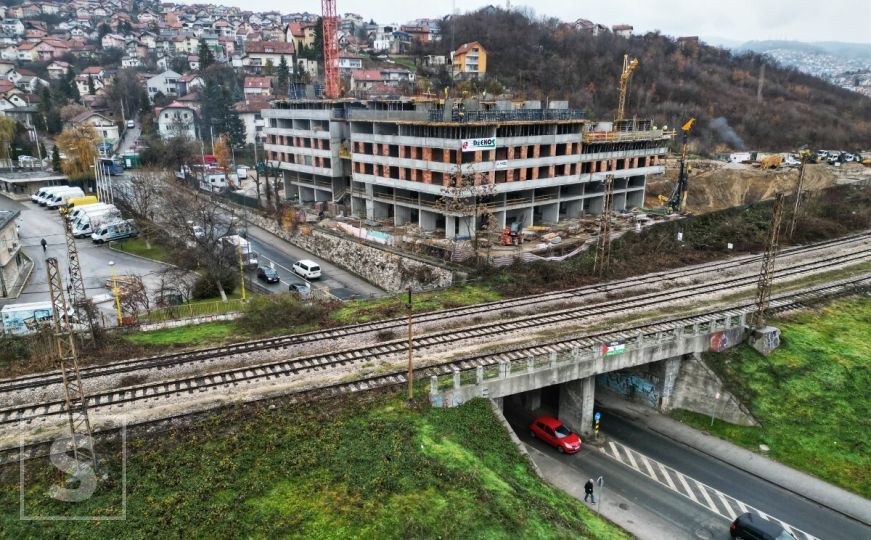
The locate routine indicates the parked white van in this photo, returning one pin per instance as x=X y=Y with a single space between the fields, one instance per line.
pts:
x=44 y=192
x=61 y=199
x=117 y=230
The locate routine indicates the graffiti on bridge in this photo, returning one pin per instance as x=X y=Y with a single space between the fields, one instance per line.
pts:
x=631 y=386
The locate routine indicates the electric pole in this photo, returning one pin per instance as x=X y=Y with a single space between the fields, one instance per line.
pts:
x=78 y=295
x=798 y=194
x=74 y=394
x=410 y=349
x=772 y=246
x=602 y=262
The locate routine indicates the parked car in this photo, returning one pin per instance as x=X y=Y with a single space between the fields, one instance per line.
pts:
x=268 y=275
x=752 y=527
x=115 y=231
x=131 y=124
x=307 y=269
x=554 y=433
x=27 y=161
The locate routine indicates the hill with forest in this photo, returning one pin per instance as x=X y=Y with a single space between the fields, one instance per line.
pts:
x=547 y=58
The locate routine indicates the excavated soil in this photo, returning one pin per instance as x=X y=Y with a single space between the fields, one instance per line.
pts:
x=716 y=185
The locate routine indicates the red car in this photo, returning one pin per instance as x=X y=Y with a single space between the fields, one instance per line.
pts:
x=554 y=433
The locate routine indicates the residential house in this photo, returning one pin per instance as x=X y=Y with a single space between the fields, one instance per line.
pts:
x=12 y=266
x=249 y=112
x=349 y=62
x=26 y=52
x=57 y=69
x=113 y=41
x=84 y=86
x=423 y=33
x=46 y=49
x=177 y=120
x=131 y=62
x=106 y=129
x=12 y=26
x=187 y=83
x=257 y=86
x=259 y=53
x=166 y=84
x=469 y=60
x=622 y=30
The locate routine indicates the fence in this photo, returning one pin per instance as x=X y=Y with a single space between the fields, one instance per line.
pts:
x=187 y=311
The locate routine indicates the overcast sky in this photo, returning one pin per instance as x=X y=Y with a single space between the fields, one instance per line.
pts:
x=738 y=20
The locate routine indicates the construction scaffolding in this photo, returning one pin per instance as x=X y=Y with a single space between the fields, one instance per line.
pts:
x=74 y=394
x=602 y=262
x=772 y=247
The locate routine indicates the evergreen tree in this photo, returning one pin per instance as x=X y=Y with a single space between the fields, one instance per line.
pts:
x=318 y=45
x=91 y=89
x=207 y=57
x=102 y=30
x=71 y=89
x=283 y=78
x=269 y=68
x=55 y=158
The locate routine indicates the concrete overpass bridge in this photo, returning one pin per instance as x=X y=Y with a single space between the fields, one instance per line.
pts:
x=657 y=363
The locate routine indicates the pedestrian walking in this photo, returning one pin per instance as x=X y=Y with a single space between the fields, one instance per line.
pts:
x=588 y=491
x=44 y=243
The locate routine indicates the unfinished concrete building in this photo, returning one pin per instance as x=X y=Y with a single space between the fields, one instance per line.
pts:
x=395 y=159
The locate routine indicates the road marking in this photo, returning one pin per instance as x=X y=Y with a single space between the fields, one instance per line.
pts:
x=707 y=497
x=667 y=476
x=727 y=506
x=688 y=486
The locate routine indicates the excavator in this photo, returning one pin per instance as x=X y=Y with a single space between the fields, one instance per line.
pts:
x=678 y=200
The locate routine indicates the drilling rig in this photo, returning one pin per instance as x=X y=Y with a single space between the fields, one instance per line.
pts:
x=678 y=200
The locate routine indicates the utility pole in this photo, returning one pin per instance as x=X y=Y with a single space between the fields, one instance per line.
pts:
x=241 y=269
x=410 y=349
x=798 y=194
x=603 y=243
x=772 y=246
x=74 y=394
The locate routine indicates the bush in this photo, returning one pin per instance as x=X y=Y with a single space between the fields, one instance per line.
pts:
x=206 y=287
x=280 y=311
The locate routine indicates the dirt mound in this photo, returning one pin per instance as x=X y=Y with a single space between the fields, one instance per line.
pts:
x=716 y=185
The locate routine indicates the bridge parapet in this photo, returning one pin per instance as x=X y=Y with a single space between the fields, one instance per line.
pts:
x=522 y=370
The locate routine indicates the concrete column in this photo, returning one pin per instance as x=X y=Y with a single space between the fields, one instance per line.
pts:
x=532 y=399
x=433 y=385
x=576 y=404
x=450 y=227
x=670 y=369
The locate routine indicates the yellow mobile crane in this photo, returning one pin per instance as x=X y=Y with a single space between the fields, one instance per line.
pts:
x=678 y=200
x=628 y=68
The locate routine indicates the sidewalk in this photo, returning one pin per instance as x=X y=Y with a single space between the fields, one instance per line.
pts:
x=802 y=484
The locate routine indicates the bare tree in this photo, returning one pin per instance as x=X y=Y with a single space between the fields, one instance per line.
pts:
x=134 y=295
x=143 y=194
x=466 y=197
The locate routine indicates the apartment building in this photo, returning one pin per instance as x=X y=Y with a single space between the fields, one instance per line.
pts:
x=395 y=159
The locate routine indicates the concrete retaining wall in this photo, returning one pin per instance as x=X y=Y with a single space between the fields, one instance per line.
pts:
x=696 y=388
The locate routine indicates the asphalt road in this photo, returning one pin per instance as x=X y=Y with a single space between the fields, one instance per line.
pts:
x=678 y=516
x=130 y=136
x=37 y=223
x=796 y=510
x=282 y=255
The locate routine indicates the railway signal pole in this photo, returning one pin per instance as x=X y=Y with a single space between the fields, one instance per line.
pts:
x=772 y=246
x=74 y=394
x=603 y=243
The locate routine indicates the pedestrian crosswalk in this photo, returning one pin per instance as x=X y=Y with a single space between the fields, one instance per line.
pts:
x=702 y=494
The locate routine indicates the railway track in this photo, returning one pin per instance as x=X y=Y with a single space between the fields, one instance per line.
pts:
x=386 y=325
x=194 y=385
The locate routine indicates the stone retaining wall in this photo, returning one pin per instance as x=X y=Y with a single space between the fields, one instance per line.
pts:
x=380 y=266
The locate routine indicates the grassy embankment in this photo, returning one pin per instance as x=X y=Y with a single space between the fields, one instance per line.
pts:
x=338 y=469
x=138 y=246
x=812 y=395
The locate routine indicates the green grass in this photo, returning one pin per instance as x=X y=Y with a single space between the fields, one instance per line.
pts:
x=341 y=469
x=137 y=246
x=185 y=336
x=812 y=395
x=360 y=311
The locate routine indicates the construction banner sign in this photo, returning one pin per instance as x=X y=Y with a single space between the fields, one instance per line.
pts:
x=472 y=145
x=614 y=347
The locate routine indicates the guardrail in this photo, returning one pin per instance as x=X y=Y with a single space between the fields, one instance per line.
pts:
x=623 y=136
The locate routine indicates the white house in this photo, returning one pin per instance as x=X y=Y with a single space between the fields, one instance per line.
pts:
x=165 y=83
x=260 y=53
x=131 y=62
x=12 y=26
x=348 y=62
x=175 y=120
x=106 y=129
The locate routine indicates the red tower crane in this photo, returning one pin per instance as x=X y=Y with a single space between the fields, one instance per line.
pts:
x=331 y=49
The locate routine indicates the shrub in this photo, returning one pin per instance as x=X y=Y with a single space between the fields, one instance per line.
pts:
x=276 y=311
x=206 y=286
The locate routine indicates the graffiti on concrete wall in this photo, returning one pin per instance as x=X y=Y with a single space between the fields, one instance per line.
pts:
x=631 y=386
x=720 y=341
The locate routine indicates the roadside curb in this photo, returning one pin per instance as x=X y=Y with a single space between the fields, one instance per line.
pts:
x=116 y=250
x=733 y=463
x=521 y=447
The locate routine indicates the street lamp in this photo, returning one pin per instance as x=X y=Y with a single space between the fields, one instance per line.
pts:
x=115 y=293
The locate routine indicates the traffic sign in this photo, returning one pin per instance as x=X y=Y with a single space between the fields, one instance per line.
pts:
x=597 y=416
x=600 y=481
